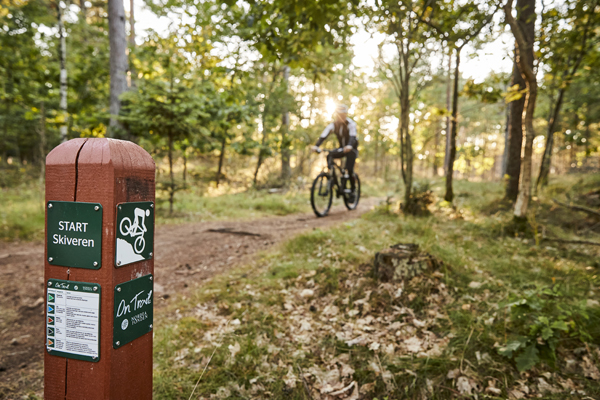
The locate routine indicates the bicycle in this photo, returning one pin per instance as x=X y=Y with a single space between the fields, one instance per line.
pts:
x=321 y=194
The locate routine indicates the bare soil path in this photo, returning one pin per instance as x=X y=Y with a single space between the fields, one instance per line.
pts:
x=186 y=255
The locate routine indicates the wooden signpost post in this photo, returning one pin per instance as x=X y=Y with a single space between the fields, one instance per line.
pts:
x=99 y=268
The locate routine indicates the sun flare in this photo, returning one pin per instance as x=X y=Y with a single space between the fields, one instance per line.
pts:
x=330 y=106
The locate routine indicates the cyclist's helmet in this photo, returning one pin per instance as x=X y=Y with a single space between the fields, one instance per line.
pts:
x=341 y=109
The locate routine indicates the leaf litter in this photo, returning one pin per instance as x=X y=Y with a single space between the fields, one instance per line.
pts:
x=318 y=330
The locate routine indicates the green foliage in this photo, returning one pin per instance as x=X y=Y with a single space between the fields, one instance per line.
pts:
x=539 y=319
x=486 y=93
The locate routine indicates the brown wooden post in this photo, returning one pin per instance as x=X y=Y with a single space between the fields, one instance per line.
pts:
x=108 y=172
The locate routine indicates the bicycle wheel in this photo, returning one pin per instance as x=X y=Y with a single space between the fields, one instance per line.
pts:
x=321 y=195
x=354 y=204
x=125 y=226
x=139 y=244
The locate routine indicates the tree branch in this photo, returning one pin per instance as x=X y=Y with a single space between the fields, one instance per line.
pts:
x=571 y=241
x=586 y=210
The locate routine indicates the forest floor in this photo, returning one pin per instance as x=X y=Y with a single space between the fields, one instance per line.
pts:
x=499 y=314
x=292 y=306
x=186 y=255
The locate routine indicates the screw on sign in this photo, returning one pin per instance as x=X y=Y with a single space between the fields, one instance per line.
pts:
x=86 y=181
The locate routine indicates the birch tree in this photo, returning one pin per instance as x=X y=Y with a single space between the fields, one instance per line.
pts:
x=402 y=22
x=445 y=20
x=62 y=54
x=118 y=62
x=524 y=59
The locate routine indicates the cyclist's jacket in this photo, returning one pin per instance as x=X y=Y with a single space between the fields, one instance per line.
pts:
x=345 y=132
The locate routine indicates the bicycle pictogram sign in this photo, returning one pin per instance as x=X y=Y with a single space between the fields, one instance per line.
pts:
x=135 y=232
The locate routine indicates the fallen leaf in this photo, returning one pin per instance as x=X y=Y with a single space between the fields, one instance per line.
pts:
x=343 y=390
x=463 y=385
x=413 y=344
x=367 y=387
x=331 y=310
x=453 y=374
x=234 y=349
x=492 y=389
x=590 y=370
x=374 y=346
x=419 y=324
x=346 y=370
x=475 y=285
x=290 y=378
x=516 y=394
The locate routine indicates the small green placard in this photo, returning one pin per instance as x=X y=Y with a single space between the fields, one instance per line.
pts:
x=73 y=319
x=133 y=314
x=135 y=232
x=74 y=234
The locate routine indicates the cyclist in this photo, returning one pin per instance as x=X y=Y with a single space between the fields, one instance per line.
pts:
x=345 y=130
x=140 y=214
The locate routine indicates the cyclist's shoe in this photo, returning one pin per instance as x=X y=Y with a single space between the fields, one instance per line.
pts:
x=350 y=195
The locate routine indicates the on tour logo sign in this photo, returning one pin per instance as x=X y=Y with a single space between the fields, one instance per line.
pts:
x=135 y=232
x=134 y=310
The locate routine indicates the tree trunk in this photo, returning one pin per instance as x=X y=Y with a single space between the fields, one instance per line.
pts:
x=376 y=151
x=7 y=100
x=261 y=150
x=567 y=78
x=221 y=157
x=118 y=63
x=63 y=74
x=42 y=143
x=286 y=169
x=546 y=157
x=406 y=154
x=515 y=138
x=133 y=74
x=524 y=34
x=506 y=142
x=448 y=91
x=184 y=155
x=449 y=196
x=171 y=176
x=436 y=144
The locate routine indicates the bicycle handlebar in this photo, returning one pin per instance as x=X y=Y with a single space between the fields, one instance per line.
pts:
x=319 y=151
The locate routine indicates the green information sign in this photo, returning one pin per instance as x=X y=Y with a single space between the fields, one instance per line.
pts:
x=73 y=319
x=74 y=234
x=135 y=232
x=133 y=310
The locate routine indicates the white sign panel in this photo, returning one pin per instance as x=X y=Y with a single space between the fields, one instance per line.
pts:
x=73 y=319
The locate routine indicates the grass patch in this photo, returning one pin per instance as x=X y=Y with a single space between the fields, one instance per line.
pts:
x=309 y=318
x=22 y=213
x=194 y=205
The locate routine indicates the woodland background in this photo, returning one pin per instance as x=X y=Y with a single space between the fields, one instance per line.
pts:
x=236 y=92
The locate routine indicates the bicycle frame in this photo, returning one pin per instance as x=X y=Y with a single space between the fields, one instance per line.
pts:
x=331 y=170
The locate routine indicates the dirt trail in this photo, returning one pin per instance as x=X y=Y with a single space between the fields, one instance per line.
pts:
x=186 y=255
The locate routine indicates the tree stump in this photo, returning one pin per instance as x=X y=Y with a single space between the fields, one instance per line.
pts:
x=402 y=261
